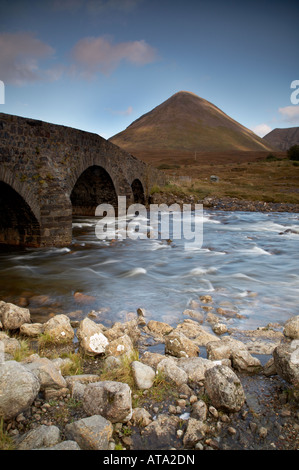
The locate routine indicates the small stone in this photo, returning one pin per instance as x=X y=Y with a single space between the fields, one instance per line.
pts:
x=263 y=432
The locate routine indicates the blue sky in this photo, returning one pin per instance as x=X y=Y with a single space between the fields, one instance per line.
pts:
x=98 y=65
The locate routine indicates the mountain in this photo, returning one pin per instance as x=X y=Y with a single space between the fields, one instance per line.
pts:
x=283 y=139
x=185 y=124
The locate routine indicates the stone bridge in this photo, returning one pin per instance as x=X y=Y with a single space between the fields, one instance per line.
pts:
x=49 y=172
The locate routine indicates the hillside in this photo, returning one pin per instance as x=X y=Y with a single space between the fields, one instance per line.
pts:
x=283 y=139
x=185 y=124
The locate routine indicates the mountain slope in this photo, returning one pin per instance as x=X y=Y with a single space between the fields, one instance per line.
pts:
x=187 y=123
x=283 y=139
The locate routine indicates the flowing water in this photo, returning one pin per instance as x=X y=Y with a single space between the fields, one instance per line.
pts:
x=248 y=263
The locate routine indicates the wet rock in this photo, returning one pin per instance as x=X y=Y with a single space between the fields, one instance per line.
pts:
x=291 y=328
x=206 y=299
x=194 y=314
x=172 y=371
x=59 y=328
x=12 y=317
x=91 y=338
x=286 y=360
x=224 y=388
x=143 y=375
x=109 y=399
x=19 y=388
x=42 y=436
x=220 y=328
x=83 y=298
x=178 y=345
x=91 y=433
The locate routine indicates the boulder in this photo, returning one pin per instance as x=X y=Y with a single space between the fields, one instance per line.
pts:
x=194 y=314
x=91 y=338
x=64 y=445
x=49 y=376
x=178 y=345
x=172 y=372
x=110 y=399
x=286 y=360
x=12 y=317
x=291 y=328
x=159 y=434
x=236 y=351
x=143 y=375
x=92 y=433
x=196 y=430
x=151 y=359
x=195 y=367
x=224 y=388
x=159 y=328
x=120 y=346
x=59 y=328
x=196 y=332
x=33 y=330
x=19 y=388
x=42 y=436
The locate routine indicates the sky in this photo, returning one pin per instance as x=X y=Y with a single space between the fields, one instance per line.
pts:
x=98 y=65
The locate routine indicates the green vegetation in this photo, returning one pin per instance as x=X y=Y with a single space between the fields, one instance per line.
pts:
x=268 y=180
x=6 y=442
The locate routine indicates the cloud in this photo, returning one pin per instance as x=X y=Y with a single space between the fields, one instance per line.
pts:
x=19 y=55
x=99 y=54
x=262 y=129
x=126 y=112
x=290 y=114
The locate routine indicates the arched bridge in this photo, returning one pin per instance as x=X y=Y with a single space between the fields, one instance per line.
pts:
x=49 y=172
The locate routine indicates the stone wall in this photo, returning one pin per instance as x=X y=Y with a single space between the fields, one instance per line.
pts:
x=43 y=162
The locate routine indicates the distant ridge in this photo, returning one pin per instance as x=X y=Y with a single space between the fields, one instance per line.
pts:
x=283 y=139
x=186 y=123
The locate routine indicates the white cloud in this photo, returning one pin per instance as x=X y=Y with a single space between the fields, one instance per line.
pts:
x=99 y=54
x=19 y=56
x=262 y=129
x=126 y=112
x=290 y=114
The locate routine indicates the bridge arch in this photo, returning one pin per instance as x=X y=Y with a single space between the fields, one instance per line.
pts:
x=19 y=212
x=138 y=191
x=93 y=187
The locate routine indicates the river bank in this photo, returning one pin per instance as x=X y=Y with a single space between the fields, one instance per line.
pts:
x=225 y=203
x=146 y=385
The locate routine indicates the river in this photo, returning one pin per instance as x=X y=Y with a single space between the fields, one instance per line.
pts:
x=248 y=263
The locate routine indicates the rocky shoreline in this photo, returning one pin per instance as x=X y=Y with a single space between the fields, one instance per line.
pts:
x=147 y=385
x=226 y=203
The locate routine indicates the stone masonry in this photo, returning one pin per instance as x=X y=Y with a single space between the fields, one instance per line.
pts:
x=49 y=172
